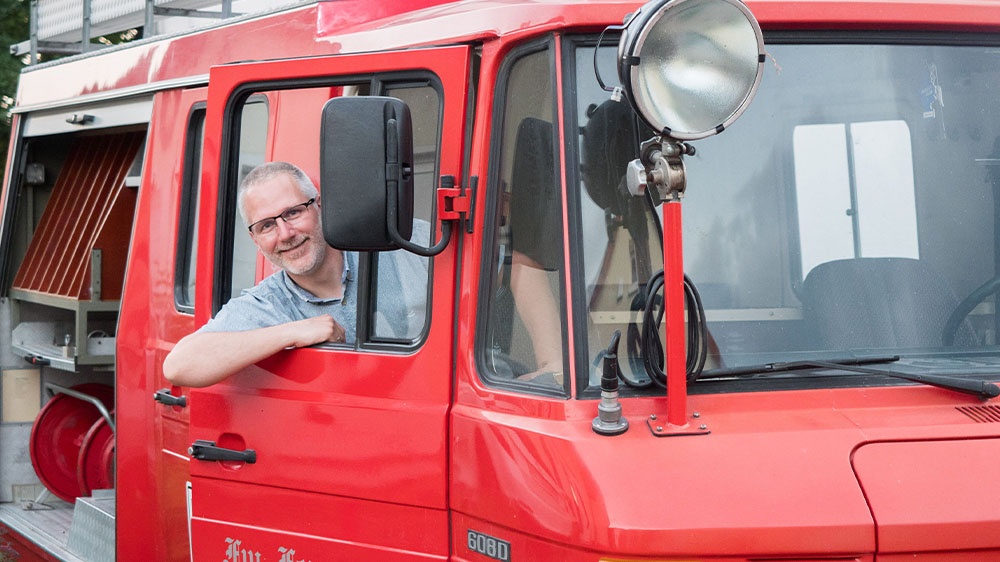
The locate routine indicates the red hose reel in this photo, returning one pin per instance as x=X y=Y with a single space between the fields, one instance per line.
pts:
x=72 y=443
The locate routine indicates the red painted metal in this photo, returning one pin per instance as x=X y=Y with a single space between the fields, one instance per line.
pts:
x=58 y=435
x=921 y=507
x=570 y=368
x=322 y=29
x=95 y=463
x=152 y=465
x=420 y=450
x=453 y=202
x=89 y=208
x=334 y=526
x=784 y=455
x=673 y=299
x=347 y=421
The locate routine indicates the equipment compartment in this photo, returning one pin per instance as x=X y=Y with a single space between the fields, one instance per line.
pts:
x=66 y=293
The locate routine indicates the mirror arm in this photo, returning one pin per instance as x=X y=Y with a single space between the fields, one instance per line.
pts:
x=391 y=202
x=420 y=250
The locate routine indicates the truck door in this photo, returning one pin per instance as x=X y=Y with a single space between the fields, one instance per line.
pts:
x=350 y=440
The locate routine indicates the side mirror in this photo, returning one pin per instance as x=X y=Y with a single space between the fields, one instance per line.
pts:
x=366 y=173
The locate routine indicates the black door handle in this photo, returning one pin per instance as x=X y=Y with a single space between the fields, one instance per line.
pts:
x=207 y=451
x=164 y=397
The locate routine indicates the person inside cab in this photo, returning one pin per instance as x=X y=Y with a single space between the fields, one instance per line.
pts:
x=311 y=299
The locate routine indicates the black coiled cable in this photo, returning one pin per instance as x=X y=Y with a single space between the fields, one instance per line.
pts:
x=645 y=344
x=645 y=351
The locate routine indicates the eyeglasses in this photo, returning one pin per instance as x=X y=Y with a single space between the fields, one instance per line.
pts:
x=264 y=227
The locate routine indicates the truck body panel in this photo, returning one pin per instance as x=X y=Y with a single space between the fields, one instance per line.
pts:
x=411 y=448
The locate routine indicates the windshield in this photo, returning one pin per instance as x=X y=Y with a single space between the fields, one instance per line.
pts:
x=851 y=211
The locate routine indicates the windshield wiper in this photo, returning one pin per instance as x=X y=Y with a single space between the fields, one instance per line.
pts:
x=782 y=366
x=981 y=389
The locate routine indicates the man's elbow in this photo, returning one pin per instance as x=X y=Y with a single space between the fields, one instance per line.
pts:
x=178 y=376
x=184 y=365
x=176 y=366
x=171 y=372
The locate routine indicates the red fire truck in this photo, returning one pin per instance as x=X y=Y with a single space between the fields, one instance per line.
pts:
x=799 y=369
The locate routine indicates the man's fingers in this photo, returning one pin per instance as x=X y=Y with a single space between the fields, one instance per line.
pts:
x=318 y=329
x=336 y=332
x=339 y=333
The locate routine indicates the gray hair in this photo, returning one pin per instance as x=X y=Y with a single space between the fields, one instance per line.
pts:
x=268 y=171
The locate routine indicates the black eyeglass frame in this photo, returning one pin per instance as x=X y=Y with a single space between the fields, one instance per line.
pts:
x=282 y=215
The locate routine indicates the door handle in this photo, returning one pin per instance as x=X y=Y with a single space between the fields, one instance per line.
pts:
x=207 y=451
x=164 y=397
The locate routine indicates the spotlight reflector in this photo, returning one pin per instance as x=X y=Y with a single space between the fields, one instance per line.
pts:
x=690 y=67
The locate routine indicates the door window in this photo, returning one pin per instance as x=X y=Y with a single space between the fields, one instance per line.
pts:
x=187 y=226
x=400 y=277
x=525 y=299
x=252 y=153
x=386 y=294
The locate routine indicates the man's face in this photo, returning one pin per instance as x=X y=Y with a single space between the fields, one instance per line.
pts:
x=297 y=247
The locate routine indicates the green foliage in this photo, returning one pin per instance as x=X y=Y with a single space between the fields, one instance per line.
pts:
x=13 y=29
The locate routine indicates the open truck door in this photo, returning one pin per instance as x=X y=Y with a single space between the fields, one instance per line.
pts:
x=321 y=441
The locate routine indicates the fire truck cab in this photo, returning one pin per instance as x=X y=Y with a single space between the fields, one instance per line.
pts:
x=826 y=390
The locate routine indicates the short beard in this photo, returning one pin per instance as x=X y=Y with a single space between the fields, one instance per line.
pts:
x=316 y=254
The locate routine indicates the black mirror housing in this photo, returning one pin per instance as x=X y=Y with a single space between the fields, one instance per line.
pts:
x=366 y=149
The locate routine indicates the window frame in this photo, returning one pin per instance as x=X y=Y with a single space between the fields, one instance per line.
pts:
x=708 y=387
x=490 y=226
x=366 y=275
x=253 y=99
x=187 y=220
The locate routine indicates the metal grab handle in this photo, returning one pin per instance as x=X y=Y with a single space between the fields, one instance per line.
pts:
x=86 y=398
x=164 y=397
x=207 y=451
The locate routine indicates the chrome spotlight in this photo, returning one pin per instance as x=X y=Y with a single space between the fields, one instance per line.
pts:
x=690 y=67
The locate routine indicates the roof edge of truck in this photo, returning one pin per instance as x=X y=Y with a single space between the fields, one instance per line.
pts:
x=99 y=50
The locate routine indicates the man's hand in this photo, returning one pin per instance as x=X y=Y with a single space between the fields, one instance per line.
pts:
x=318 y=329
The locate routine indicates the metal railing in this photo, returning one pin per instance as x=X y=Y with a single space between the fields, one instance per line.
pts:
x=69 y=26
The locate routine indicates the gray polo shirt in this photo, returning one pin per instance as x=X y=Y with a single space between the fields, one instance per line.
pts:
x=399 y=309
x=277 y=300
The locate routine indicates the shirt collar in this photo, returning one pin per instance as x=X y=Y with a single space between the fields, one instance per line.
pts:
x=348 y=274
x=347 y=277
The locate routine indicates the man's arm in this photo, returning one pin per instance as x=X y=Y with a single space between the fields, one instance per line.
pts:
x=539 y=311
x=205 y=358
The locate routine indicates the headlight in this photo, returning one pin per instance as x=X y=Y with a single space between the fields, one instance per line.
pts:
x=690 y=67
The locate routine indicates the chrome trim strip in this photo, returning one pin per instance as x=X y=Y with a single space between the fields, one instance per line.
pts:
x=189 y=500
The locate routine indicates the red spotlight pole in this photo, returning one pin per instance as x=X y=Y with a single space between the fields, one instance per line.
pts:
x=673 y=298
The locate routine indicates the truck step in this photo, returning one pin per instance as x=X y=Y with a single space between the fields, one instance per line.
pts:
x=92 y=534
x=46 y=525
